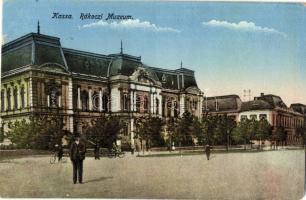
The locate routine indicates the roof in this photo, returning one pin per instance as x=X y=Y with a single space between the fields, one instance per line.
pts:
x=298 y=107
x=273 y=100
x=256 y=105
x=222 y=103
x=86 y=63
x=38 y=49
x=33 y=48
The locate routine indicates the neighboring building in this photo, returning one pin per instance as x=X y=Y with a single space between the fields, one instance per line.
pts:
x=270 y=107
x=220 y=105
x=39 y=76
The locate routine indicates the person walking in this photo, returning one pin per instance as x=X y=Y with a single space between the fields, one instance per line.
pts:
x=60 y=153
x=77 y=155
x=97 y=152
x=207 y=151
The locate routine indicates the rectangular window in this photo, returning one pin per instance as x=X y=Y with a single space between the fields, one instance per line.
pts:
x=262 y=116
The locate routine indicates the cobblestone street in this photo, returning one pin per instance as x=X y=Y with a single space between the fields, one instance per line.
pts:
x=262 y=175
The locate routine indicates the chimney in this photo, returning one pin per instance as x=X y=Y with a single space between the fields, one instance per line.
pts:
x=262 y=94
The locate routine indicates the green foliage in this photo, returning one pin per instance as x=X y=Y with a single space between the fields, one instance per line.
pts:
x=37 y=133
x=184 y=132
x=301 y=133
x=104 y=131
x=264 y=130
x=150 y=130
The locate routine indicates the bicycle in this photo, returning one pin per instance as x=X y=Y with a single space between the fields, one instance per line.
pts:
x=54 y=157
x=115 y=152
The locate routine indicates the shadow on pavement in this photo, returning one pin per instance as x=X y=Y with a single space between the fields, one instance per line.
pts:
x=98 y=179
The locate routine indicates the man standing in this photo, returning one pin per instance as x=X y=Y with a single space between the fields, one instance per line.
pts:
x=97 y=152
x=77 y=155
x=207 y=151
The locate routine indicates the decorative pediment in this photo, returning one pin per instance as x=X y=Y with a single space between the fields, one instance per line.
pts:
x=193 y=90
x=142 y=75
x=53 y=67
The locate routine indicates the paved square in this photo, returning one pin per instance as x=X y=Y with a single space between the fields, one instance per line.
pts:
x=262 y=175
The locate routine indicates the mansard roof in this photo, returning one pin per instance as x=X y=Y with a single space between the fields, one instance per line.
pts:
x=222 y=103
x=34 y=49
x=86 y=63
x=273 y=100
x=38 y=49
x=256 y=105
x=298 y=107
x=178 y=79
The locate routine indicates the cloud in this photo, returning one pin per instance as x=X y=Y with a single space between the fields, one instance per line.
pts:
x=130 y=24
x=242 y=26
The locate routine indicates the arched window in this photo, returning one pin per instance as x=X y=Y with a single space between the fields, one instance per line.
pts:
x=105 y=101
x=15 y=98
x=2 y=100
x=138 y=101
x=53 y=97
x=157 y=105
x=8 y=98
x=145 y=104
x=125 y=102
x=84 y=100
x=22 y=96
x=95 y=101
x=175 y=107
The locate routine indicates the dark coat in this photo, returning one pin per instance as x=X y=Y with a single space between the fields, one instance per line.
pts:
x=77 y=151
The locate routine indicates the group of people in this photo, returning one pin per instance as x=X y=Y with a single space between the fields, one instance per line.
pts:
x=77 y=156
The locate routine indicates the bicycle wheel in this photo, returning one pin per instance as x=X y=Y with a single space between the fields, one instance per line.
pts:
x=53 y=159
x=121 y=154
x=64 y=160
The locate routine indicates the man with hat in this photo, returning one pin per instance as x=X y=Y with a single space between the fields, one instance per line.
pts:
x=77 y=155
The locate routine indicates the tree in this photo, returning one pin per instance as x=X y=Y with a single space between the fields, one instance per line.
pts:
x=208 y=127
x=183 y=133
x=37 y=133
x=149 y=129
x=104 y=131
x=264 y=131
x=243 y=132
x=301 y=133
x=280 y=135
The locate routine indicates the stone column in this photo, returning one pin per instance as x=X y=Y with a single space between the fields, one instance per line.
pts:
x=200 y=107
x=132 y=132
x=71 y=124
x=70 y=96
x=166 y=107
x=90 y=98
x=134 y=100
x=151 y=103
x=48 y=100
x=26 y=93
x=30 y=90
x=131 y=100
x=79 y=98
x=19 y=96
x=182 y=104
x=160 y=98
x=172 y=108
x=12 y=97
x=59 y=101
x=5 y=99
x=100 y=100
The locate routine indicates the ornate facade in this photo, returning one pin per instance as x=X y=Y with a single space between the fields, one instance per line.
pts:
x=39 y=76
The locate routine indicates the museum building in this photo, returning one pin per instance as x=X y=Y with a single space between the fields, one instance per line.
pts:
x=40 y=77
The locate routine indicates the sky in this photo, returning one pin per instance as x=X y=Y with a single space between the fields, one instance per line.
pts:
x=232 y=47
